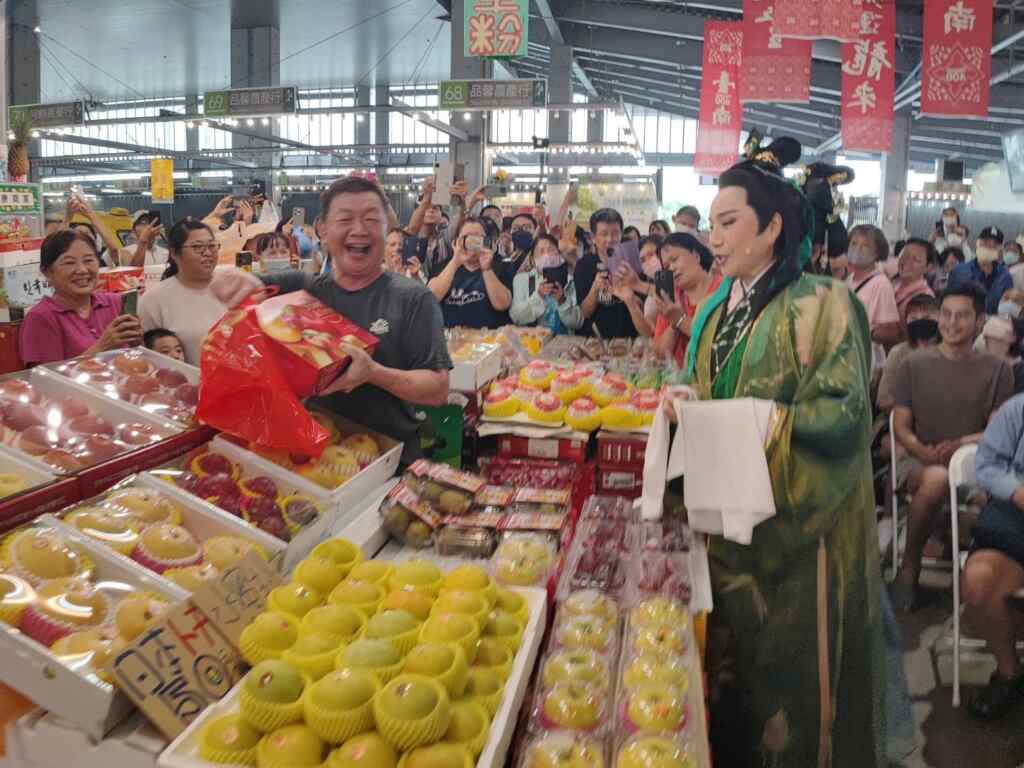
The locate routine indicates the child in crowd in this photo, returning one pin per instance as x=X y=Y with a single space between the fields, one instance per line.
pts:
x=165 y=342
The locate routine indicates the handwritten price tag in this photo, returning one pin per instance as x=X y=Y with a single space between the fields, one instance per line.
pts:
x=238 y=596
x=189 y=659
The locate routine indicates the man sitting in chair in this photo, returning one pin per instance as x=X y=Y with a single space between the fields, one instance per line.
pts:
x=944 y=397
x=995 y=568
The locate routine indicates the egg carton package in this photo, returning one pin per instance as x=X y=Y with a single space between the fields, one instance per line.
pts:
x=184 y=539
x=67 y=605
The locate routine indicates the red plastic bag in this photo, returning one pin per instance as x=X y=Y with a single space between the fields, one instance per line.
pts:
x=244 y=392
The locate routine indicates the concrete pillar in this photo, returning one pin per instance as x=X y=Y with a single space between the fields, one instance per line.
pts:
x=23 y=84
x=363 y=128
x=255 y=63
x=895 y=167
x=560 y=92
x=470 y=153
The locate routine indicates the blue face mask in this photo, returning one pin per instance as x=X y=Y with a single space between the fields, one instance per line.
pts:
x=1009 y=309
x=1010 y=257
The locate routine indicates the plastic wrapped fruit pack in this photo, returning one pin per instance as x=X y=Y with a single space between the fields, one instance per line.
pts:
x=133 y=377
x=524 y=559
x=554 y=749
x=359 y=662
x=148 y=526
x=63 y=432
x=530 y=473
x=343 y=458
x=51 y=591
x=448 y=490
x=409 y=518
x=257 y=499
x=600 y=557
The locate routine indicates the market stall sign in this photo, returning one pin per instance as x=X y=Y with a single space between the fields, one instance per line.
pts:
x=23 y=286
x=50 y=115
x=250 y=101
x=496 y=29
x=187 y=659
x=493 y=94
x=21 y=212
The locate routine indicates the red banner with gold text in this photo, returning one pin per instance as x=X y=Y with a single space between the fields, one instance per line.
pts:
x=869 y=81
x=813 y=19
x=773 y=68
x=721 y=115
x=957 y=58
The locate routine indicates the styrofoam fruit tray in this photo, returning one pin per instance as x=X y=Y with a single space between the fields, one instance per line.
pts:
x=183 y=752
x=75 y=694
x=15 y=463
x=200 y=518
x=114 y=412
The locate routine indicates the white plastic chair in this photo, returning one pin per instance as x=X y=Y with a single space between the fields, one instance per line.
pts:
x=893 y=450
x=961 y=472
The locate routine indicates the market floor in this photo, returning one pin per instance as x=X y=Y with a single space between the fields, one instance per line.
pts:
x=948 y=737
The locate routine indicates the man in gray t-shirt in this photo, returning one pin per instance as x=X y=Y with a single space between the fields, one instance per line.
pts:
x=410 y=366
x=944 y=398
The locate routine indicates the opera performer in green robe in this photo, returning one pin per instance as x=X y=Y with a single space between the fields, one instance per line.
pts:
x=796 y=660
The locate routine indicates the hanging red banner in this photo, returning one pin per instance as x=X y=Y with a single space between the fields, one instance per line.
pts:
x=721 y=116
x=773 y=68
x=813 y=19
x=869 y=82
x=957 y=58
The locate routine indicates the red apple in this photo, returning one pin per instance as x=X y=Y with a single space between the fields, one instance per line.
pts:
x=188 y=394
x=138 y=434
x=276 y=527
x=89 y=425
x=19 y=416
x=260 y=486
x=157 y=402
x=137 y=385
x=216 y=485
x=170 y=379
x=18 y=390
x=37 y=440
x=129 y=364
x=260 y=507
x=62 y=461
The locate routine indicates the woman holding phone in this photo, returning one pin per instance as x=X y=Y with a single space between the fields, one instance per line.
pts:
x=473 y=288
x=544 y=293
x=77 y=319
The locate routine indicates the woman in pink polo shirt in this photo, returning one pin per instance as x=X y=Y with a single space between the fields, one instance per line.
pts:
x=77 y=319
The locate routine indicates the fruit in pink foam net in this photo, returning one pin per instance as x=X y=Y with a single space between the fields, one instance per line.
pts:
x=21 y=391
x=68 y=408
x=19 y=416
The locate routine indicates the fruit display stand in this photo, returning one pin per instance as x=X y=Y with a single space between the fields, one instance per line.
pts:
x=44 y=491
x=68 y=692
x=200 y=518
x=338 y=505
x=184 y=751
x=171 y=439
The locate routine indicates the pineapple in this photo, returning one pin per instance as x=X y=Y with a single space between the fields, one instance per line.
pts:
x=17 y=148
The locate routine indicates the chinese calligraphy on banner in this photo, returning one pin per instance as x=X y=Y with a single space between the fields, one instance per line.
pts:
x=721 y=116
x=811 y=19
x=869 y=82
x=957 y=58
x=773 y=68
x=496 y=29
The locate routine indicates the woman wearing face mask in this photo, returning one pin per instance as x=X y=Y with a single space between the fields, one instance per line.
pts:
x=543 y=292
x=524 y=229
x=922 y=331
x=1002 y=337
x=868 y=283
x=1012 y=259
x=950 y=233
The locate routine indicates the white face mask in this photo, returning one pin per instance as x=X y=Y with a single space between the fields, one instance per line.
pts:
x=949 y=221
x=859 y=257
x=954 y=240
